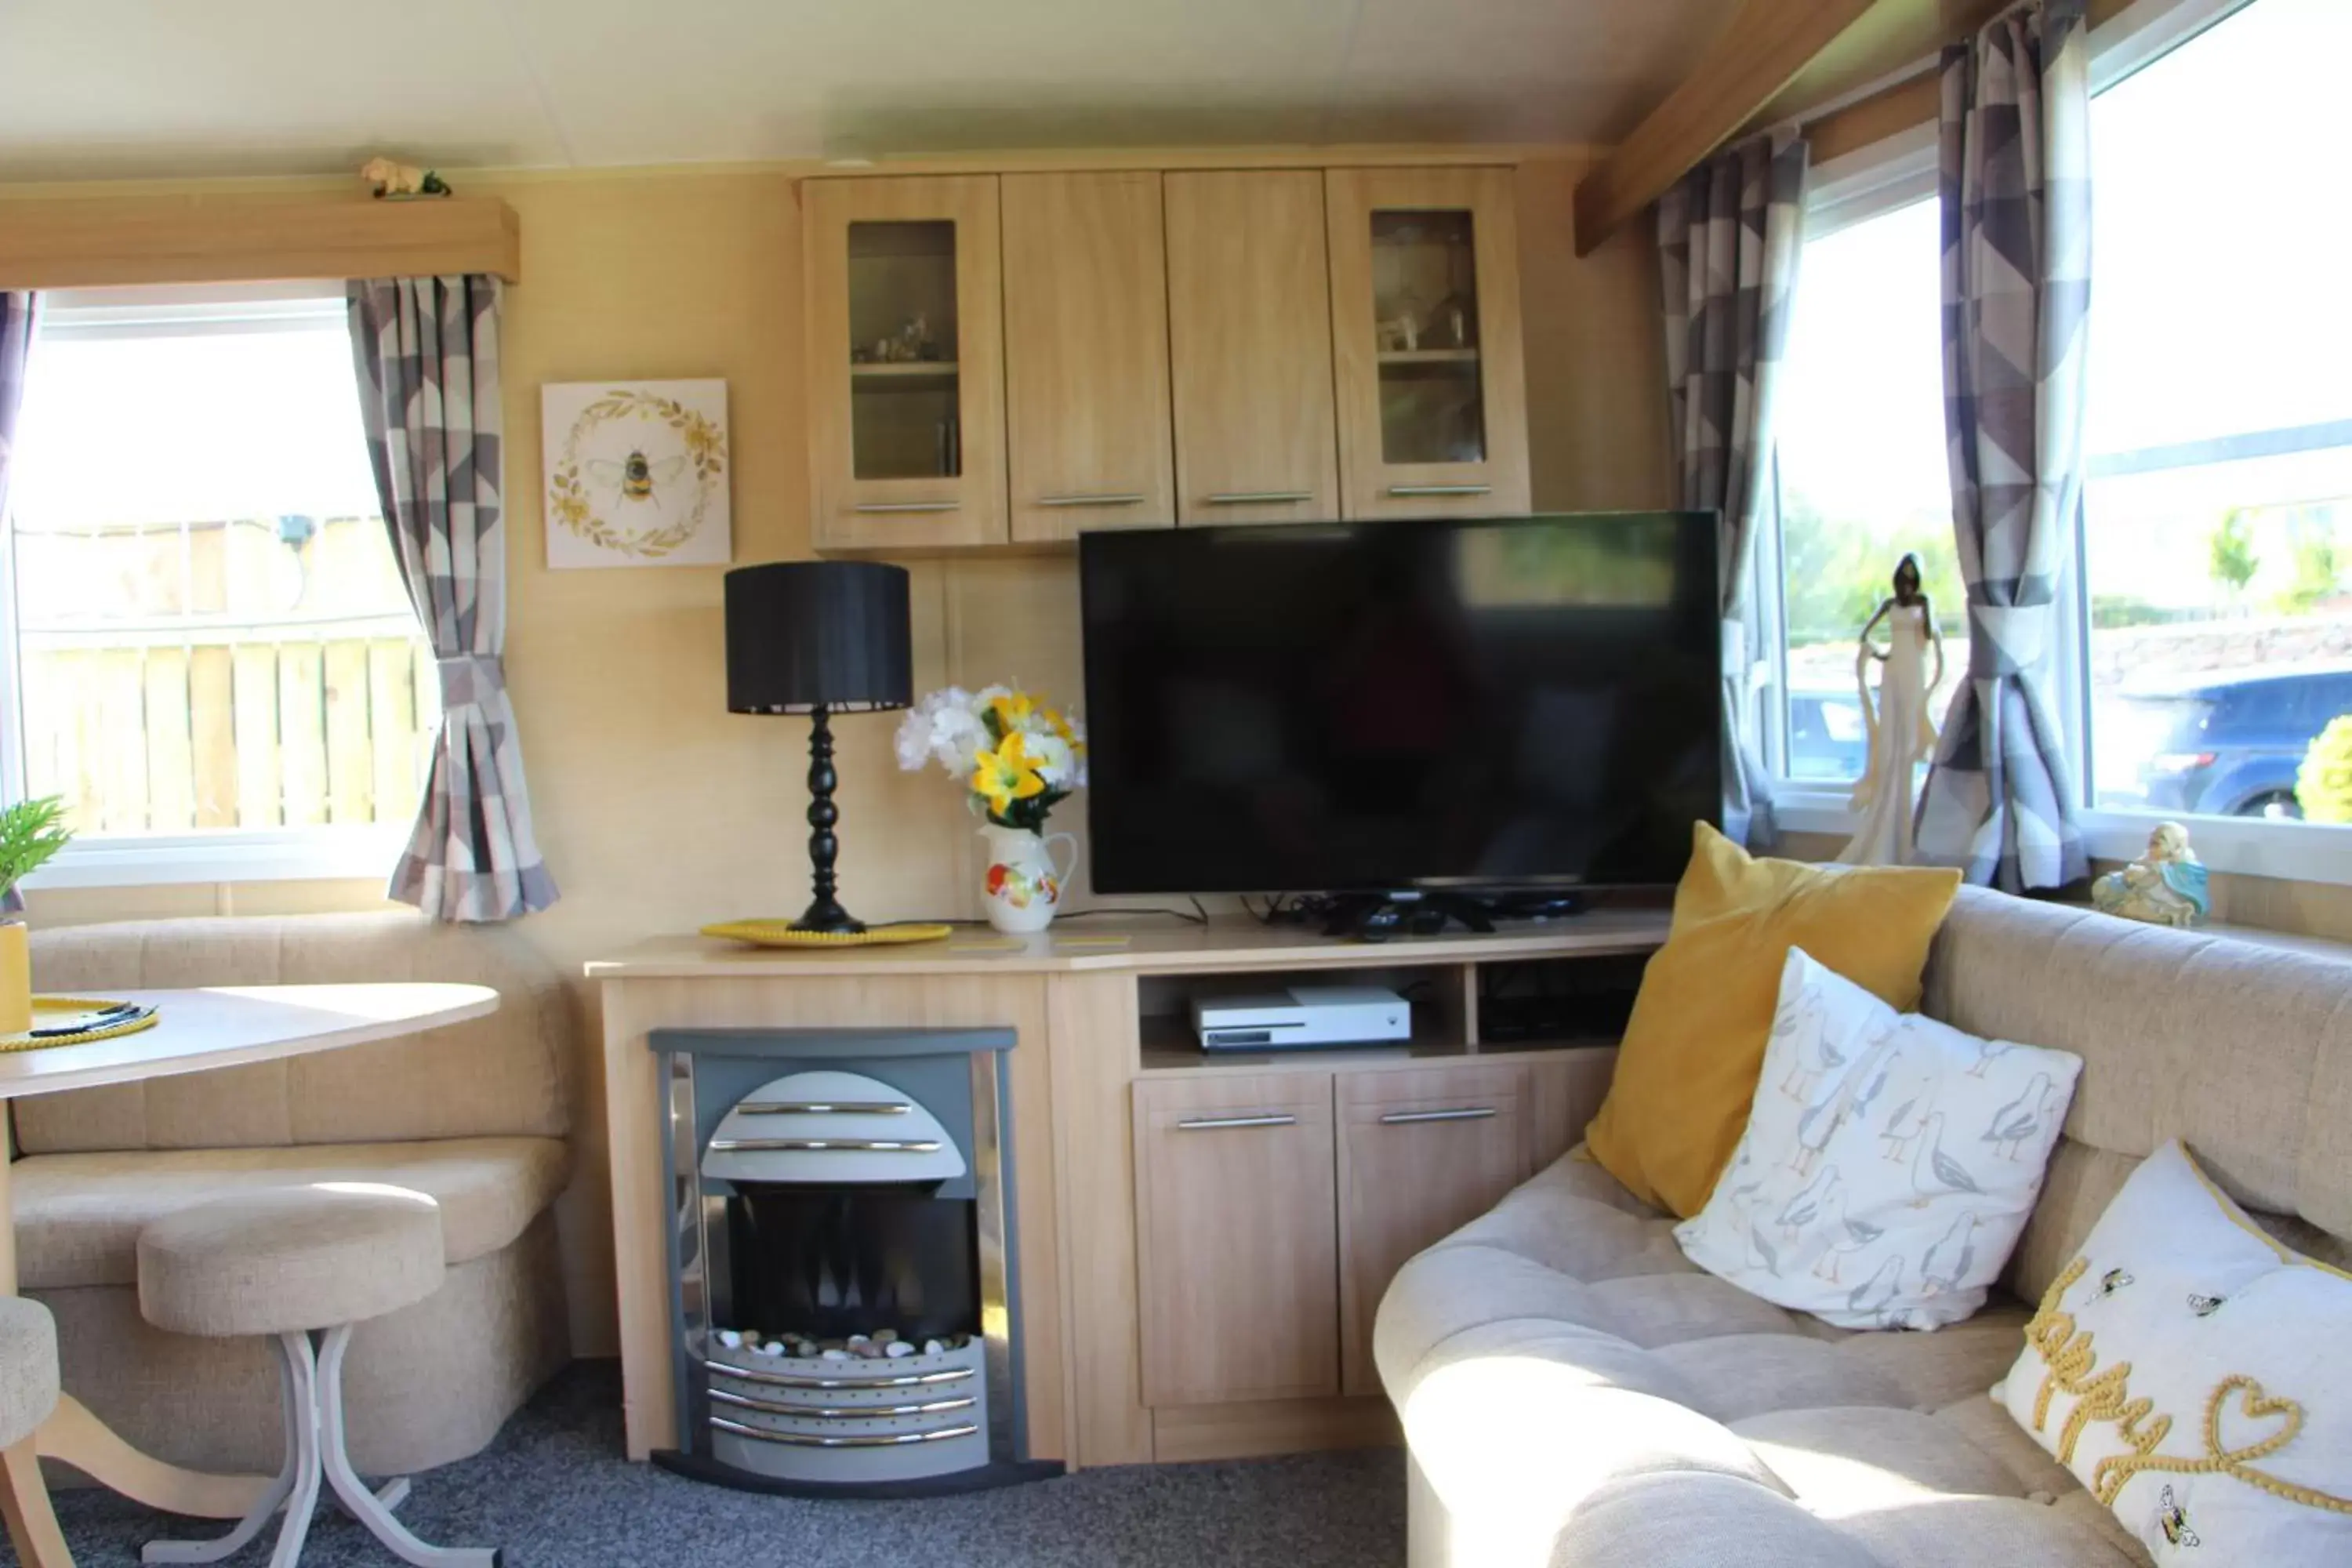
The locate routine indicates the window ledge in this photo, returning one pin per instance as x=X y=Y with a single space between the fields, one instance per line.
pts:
x=131 y=860
x=2241 y=846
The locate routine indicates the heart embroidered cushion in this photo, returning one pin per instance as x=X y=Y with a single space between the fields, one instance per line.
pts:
x=2193 y=1373
x=1889 y=1165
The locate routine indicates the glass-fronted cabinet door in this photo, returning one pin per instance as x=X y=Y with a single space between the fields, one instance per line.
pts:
x=905 y=380
x=1425 y=342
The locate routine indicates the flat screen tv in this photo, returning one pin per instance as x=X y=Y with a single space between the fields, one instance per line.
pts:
x=1517 y=704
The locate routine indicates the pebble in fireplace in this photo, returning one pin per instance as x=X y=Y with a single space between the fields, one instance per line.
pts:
x=847 y=1315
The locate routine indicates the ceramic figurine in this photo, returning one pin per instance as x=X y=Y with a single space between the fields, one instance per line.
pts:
x=400 y=181
x=1902 y=736
x=2165 y=886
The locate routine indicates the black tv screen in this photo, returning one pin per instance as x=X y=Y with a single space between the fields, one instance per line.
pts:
x=1519 y=703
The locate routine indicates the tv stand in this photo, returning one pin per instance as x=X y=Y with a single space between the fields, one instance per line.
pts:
x=1376 y=917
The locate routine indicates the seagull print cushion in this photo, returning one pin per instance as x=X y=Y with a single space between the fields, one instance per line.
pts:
x=1889 y=1165
x=2193 y=1373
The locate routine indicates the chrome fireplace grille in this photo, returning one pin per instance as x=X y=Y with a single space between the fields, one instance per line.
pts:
x=845 y=1312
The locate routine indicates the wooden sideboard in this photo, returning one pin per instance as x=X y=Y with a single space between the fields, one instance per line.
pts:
x=1203 y=1240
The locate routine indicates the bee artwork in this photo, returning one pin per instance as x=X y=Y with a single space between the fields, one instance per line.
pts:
x=637 y=473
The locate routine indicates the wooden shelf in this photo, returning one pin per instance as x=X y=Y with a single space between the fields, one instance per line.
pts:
x=1169 y=1049
x=1428 y=356
x=912 y=370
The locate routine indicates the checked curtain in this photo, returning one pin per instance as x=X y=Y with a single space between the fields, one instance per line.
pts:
x=2016 y=190
x=1728 y=237
x=428 y=355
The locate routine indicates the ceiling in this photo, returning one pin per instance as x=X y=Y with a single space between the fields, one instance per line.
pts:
x=149 y=88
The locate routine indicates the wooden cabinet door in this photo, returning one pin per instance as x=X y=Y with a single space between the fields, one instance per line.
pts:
x=1565 y=1090
x=1085 y=354
x=1236 y=1238
x=1249 y=321
x=1426 y=356
x=906 y=362
x=1422 y=1152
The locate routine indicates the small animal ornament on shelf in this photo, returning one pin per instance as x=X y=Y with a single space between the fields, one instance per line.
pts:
x=402 y=182
x=2165 y=887
x=1901 y=734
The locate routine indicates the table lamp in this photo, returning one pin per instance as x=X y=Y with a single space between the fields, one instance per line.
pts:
x=819 y=637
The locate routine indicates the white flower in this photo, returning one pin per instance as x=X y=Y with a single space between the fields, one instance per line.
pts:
x=942 y=728
x=1055 y=763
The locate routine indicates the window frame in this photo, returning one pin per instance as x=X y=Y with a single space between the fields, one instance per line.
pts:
x=314 y=853
x=1870 y=183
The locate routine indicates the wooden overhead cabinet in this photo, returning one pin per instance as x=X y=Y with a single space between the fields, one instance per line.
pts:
x=1249 y=324
x=1085 y=354
x=906 y=344
x=1425 y=333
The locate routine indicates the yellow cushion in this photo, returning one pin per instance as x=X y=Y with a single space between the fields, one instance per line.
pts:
x=1696 y=1042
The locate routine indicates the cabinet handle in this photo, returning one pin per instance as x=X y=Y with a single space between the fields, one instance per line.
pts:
x=1120 y=498
x=1466 y=1113
x=871 y=506
x=1440 y=489
x=1258 y=498
x=859 y=1440
x=824 y=1108
x=1206 y=1123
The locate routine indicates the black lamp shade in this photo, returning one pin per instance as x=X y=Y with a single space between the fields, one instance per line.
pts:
x=802 y=635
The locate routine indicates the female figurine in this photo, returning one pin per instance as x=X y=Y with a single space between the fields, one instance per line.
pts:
x=1902 y=736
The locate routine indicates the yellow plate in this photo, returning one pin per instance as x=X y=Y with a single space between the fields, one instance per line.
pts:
x=780 y=933
x=51 y=1010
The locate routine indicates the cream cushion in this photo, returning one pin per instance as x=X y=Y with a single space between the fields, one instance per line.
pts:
x=28 y=1368
x=79 y=1215
x=2190 y=1371
x=1889 y=1165
x=289 y=1258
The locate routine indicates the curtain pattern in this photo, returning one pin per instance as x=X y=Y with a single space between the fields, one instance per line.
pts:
x=426 y=351
x=2016 y=193
x=1729 y=238
x=19 y=317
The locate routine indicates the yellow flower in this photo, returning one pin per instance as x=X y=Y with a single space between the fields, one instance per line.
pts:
x=1005 y=774
x=1012 y=713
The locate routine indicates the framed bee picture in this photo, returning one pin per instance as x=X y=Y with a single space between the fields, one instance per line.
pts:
x=637 y=473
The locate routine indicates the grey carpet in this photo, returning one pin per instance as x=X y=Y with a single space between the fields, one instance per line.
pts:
x=556 y=1493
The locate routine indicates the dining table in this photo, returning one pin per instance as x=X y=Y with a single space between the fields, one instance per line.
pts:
x=195 y=1031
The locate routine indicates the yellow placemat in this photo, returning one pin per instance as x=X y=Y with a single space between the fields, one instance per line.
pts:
x=780 y=933
x=48 y=1012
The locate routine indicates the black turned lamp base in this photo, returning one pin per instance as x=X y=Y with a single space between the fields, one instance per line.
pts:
x=824 y=912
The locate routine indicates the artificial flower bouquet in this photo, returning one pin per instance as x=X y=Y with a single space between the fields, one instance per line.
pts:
x=1018 y=757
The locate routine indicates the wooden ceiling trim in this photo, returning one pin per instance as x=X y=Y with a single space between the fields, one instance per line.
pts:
x=100 y=242
x=1758 y=53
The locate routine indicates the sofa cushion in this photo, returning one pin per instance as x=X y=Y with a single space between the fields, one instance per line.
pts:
x=79 y=1215
x=1557 y=1360
x=1686 y=1071
x=506 y=1074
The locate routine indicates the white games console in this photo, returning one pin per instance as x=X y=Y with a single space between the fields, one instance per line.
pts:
x=1302 y=1016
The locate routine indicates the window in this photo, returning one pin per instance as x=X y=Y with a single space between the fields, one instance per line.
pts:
x=2218 y=511
x=211 y=642
x=1863 y=475
x=2214 y=598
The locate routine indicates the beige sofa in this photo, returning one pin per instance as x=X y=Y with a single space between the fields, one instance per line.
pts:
x=1576 y=1394
x=474 y=1115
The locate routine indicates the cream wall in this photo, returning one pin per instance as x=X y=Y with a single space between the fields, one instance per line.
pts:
x=658 y=810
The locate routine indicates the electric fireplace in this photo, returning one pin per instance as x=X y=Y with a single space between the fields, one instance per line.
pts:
x=844 y=1311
